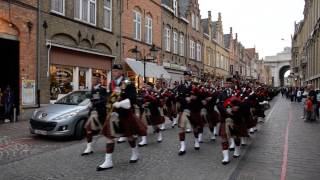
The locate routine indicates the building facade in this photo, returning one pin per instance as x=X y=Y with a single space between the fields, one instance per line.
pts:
x=141 y=26
x=174 y=40
x=18 y=42
x=216 y=54
x=306 y=46
x=189 y=11
x=79 y=41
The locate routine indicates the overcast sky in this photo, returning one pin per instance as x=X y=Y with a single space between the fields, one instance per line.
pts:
x=260 y=23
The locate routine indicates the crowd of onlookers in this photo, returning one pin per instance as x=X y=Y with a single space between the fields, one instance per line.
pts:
x=308 y=96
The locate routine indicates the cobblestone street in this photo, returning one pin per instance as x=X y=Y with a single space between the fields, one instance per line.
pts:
x=24 y=156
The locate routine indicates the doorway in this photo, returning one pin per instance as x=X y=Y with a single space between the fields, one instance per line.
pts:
x=9 y=71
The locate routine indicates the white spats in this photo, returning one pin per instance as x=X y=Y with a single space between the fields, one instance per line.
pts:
x=232 y=144
x=175 y=122
x=236 y=153
x=88 y=150
x=243 y=141
x=159 y=138
x=200 y=138
x=196 y=144
x=182 y=150
x=215 y=131
x=143 y=141
x=162 y=127
x=134 y=155
x=225 y=159
x=107 y=164
x=122 y=139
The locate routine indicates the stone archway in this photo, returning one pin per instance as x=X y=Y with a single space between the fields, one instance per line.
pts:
x=282 y=71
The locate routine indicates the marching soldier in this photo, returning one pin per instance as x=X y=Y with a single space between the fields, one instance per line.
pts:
x=189 y=112
x=121 y=119
x=97 y=115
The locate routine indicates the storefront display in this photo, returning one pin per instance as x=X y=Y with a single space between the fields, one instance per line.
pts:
x=102 y=74
x=61 y=80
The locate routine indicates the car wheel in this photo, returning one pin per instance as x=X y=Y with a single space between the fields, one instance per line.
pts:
x=79 y=130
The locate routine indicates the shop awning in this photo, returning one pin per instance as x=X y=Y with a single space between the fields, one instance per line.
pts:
x=152 y=70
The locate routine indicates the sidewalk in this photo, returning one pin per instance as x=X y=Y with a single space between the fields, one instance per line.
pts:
x=285 y=148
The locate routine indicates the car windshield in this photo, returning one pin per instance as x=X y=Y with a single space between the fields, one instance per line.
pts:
x=76 y=98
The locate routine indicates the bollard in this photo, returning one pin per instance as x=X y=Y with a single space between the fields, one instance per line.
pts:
x=14 y=115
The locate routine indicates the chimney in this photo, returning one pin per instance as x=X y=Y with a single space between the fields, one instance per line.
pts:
x=230 y=30
x=209 y=15
x=236 y=36
x=219 y=16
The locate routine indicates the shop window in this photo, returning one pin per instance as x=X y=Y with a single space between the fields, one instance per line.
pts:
x=98 y=73
x=82 y=79
x=61 y=79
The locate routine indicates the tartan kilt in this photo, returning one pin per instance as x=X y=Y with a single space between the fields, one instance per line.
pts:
x=124 y=125
x=252 y=122
x=240 y=130
x=93 y=123
x=213 y=118
x=227 y=128
x=183 y=120
x=196 y=120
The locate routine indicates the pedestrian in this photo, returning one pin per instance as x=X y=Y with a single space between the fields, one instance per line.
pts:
x=313 y=95
x=309 y=109
x=304 y=100
x=8 y=103
x=299 y=94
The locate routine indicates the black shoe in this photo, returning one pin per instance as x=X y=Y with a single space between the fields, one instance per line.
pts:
x=159 y=141
x=102 y=169
x=234 y=156
x=133 y=161
x=197 y=148
x=119 y=142
x=86 y=154
x=225 y=162
x=243 y=144
x=231 y=149
x=181 y=153
x=141 y=145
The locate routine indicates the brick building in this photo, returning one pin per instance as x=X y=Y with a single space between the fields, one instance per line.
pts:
x=189 y=10
x=79 y=40
x=18 y=42
x=174 y=40
x=141 y=31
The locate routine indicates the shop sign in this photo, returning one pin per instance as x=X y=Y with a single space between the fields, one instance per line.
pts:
x=28 y=92
x=175 y=66
x=165 y=64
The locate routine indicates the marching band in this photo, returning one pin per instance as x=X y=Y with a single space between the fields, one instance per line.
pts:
x=230 y=111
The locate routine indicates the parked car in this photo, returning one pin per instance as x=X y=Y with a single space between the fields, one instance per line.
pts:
x=66 y=117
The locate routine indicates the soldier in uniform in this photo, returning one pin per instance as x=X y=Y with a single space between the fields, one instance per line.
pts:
x=97 y=115
x=121 y=119
x=189 y=112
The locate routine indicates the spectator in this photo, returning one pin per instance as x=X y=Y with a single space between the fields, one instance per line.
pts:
x=313 y=96
x=299 y=94
x=309 y=109
x=8 y=103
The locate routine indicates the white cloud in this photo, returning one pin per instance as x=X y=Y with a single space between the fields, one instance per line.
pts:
x=260 y=23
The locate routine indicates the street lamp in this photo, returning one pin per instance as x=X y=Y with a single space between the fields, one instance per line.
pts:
x=153 y=52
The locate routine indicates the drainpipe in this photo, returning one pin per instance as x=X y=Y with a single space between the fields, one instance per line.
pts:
x=38 y=56
x=48 y=60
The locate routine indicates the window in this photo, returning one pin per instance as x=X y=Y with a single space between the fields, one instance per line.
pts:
x=85 y=10
x=175 y=7
x=192 y=49
x=197 y=23
x=198 y=52
x=167 y=38
x=218 y=60
x=137 y=25
x=193 y=21
x=57 y=6
x=108 y=15
x=175 y=42
x=181 y=45
x=148 y=30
